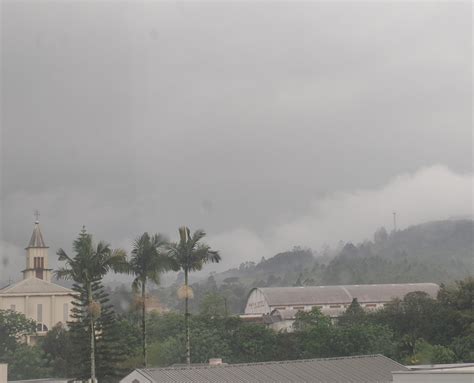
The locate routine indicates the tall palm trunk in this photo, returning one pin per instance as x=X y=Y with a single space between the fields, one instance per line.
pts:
x=144 y=324
x=92 y=328
x=186 y=318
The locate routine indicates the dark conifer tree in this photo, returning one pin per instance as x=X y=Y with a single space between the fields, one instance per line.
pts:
x=354 y=314
x=108 y=349
x=94 y=331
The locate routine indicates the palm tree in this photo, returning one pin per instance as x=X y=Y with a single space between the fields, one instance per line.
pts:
x=190 y=255
x=88 y=266
x=147 y=263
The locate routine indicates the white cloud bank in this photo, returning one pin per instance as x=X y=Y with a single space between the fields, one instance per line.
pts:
x=431 y=193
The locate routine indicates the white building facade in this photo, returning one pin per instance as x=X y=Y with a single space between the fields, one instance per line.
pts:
x=448 y=373
x=36 y=296
x=282 y=303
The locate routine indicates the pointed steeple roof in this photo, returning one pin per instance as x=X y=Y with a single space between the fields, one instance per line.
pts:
x=36 y=238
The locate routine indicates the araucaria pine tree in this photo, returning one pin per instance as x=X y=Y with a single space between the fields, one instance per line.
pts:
x=93 y=329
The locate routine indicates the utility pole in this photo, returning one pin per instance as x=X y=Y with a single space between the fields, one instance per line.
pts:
x=394 y=221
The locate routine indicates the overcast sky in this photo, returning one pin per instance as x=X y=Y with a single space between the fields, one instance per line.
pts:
x=267 y=124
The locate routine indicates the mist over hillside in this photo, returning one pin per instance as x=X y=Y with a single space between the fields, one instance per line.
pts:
x=438 y=251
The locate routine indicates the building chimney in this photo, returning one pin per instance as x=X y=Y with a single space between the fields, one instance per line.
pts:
x=215 y=362
x=3 y=372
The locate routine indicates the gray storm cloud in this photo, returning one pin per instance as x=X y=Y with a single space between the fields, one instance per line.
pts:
x=432 y=193
x=267 y=124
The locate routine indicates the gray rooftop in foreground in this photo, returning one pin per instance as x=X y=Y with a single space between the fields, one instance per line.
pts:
x=356 y=369
x=276 y=296
x=46 y=380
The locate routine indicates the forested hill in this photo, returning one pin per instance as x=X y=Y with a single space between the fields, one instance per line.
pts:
x=434 y=251
x=440 y=239
x=440 y=251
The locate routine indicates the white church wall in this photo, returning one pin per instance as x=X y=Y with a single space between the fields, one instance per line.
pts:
x=40 y=310
x=59 y=314
x=13 y=303
x=53 y=308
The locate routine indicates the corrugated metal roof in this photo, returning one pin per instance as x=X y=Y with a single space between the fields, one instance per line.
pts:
x=34 y=286
x=36 y=238
x=52 y=380
x=356 y=369
x=313 y=295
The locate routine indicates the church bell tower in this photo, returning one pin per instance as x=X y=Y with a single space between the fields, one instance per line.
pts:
x=37 y=257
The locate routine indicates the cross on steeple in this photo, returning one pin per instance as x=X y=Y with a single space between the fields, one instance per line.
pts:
x=37 y=215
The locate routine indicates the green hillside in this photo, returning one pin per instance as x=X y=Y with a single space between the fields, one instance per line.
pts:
x=439 y=252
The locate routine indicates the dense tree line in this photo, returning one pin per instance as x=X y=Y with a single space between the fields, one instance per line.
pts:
x=108 y=338
x=417 y=329
x=96 y=345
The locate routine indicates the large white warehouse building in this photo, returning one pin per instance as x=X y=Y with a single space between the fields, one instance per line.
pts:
x=332 y=300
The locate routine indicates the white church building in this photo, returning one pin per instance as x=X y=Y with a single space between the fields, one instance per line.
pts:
x=36 y=296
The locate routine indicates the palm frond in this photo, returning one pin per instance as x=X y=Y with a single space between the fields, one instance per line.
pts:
x=173 y=254
x=155 y=278
x=102 y=249
x=159 y=240
x=136 y=285
x=118 y=261
x=64 y=273
x=189 y=254
x=139 y=242
x=197 y=236
x=214 y=256
x=62 y=256
x=118 y=256
x=204 y=253
x=150 y=257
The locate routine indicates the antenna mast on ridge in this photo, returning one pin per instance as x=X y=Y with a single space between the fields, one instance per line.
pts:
x=394 y=221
